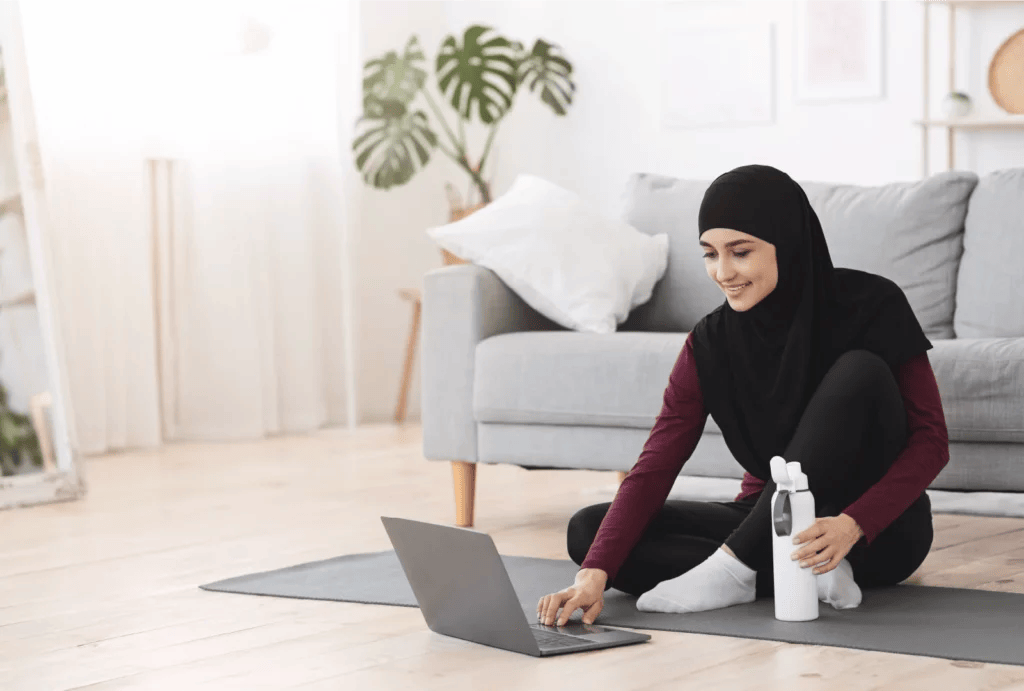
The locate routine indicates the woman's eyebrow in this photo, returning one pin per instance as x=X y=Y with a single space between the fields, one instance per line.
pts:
x=728 y=244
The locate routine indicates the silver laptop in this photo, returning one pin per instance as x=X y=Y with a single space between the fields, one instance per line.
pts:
x=463 y=590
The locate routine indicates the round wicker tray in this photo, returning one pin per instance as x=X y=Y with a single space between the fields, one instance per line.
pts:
x=1006 y=74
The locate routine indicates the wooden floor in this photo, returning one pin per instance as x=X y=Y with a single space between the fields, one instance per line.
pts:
x=102 y=593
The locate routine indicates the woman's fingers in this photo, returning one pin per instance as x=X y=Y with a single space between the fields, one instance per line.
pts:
x=823 y=563
x=553 y=603
x=546 y=601
x=591 y=614
x=551 y=611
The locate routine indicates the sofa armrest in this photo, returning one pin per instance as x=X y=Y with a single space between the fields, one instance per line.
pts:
x=462 y=305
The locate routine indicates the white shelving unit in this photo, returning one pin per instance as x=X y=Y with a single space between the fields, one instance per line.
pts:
x=996 y=121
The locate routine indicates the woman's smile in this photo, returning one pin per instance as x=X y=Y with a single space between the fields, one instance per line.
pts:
x=737 y=290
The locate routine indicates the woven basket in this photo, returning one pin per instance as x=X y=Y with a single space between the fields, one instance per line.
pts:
x=458 y=215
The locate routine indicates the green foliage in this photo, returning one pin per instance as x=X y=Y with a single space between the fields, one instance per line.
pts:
x=390 y=133
x=551 y=72
x=393 y=78
x=479 y=78
x=18 y=440
x=481 y=74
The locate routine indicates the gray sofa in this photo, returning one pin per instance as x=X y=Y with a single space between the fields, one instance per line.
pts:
x=503 y=384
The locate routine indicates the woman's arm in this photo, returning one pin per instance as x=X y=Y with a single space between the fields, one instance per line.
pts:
x=670 y=444
x=920 y=462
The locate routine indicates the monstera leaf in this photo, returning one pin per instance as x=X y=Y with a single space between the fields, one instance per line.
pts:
x=481 y=72
x=391 y=143
x=545 y=66
x=393 y=78
x=478 y=78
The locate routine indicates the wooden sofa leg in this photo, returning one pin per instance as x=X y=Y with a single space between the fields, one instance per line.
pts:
x=464 y=475
x=622 y=476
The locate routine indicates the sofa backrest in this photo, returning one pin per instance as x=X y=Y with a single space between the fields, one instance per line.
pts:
x=909 y=232
x=990 y=283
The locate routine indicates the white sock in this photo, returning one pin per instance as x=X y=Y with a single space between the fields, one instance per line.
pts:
x=721 y=580
x=838 y=588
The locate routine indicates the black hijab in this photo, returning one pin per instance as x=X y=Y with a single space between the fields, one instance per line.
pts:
x=758 y=369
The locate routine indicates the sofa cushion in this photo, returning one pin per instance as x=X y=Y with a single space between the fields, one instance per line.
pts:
x=579 y=268
x=573 y=378
x=619 y=380
x=981 y=382
x=988 y=298
x=909 y=232
x=655 y=204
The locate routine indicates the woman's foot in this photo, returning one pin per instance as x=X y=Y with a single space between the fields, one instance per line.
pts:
x=719 y=581
x=838 y=588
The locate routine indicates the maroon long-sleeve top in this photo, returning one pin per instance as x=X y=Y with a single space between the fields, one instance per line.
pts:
x=681 y=423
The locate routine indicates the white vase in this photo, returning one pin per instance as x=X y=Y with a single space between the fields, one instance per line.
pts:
x=956 y=105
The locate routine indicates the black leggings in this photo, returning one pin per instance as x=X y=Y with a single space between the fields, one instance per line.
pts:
x=852 y=430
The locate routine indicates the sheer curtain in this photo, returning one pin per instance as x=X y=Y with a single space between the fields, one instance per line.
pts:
x=198 y=201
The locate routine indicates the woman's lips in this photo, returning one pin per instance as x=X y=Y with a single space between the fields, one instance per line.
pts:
x=737 y=290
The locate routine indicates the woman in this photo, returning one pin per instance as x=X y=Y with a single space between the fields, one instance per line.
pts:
x=819 y=365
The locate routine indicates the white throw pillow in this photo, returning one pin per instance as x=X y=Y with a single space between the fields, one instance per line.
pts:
x=572 y=264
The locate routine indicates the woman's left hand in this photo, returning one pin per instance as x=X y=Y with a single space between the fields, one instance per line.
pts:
x=827 y=541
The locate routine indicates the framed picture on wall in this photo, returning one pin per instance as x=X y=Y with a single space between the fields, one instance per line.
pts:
x=839 y=50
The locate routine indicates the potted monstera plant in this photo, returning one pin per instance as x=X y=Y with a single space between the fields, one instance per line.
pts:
x=479 y=77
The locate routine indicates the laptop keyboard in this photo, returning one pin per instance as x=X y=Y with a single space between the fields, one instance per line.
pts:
x=547 y=639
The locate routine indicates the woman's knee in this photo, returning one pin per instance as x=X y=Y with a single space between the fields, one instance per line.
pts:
x=860 y=374
x=583 y=528
x=861 y=366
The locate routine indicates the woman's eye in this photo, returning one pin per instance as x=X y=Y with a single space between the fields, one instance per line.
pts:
x=738 y=254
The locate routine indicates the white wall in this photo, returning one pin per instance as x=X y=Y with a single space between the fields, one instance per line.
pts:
x=614 y=129
x=388 y=245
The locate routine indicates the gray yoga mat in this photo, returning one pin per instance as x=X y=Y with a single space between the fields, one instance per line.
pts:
x=952 y=623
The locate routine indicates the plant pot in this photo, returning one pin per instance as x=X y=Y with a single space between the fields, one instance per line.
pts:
x=956 y=105
x=458 y=215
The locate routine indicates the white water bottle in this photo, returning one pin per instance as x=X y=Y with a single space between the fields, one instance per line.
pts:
x=796 y=587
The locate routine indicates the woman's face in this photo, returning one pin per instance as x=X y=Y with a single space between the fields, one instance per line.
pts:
x=733 y=258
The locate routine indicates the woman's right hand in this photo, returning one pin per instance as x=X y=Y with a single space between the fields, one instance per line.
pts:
x=586 y=593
